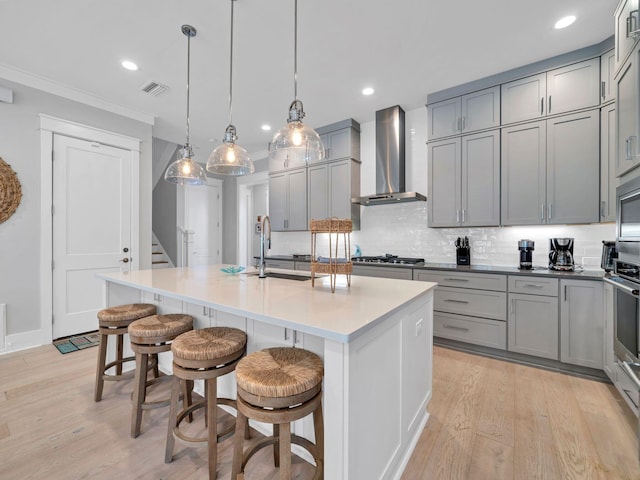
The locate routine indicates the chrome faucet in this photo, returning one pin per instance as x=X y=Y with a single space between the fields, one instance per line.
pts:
x=263 y=237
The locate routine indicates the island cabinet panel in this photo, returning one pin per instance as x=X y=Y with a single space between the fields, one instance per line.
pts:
x=533 y=325
x=582 y=323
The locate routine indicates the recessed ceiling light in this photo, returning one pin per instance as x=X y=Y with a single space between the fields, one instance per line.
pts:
x=368 y=91
x=266 y=127
x=565 y=22
x=129 y=65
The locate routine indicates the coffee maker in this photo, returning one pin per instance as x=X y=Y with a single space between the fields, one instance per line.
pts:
x=561 y=254
x=526 y=254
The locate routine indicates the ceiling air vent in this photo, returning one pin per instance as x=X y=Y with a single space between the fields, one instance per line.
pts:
x=153 y=88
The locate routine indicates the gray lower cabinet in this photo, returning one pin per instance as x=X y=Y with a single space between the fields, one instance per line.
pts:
x=608 y=179
x=609 y=361
x=288 y=200
x=533 y=325
x=550 y=170
x=533 y=316
x=331 y=186
x=469 y=307
x=285 y=264
x=464 y=181
x=383 y=272
x=581 y=323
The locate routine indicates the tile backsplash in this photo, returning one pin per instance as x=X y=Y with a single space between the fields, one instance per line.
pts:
x=402 y=230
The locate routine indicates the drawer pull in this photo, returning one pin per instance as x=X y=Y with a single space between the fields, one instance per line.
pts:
x=455 y=301
x=452 y=327
x=456 y=279
x=533 y=285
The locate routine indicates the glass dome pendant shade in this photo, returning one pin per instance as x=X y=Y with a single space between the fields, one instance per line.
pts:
x=229 y=158
x=185 y=170
x=296 y=143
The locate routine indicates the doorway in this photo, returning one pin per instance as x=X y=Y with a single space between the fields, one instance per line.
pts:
x=89 y=217
x=253 y=201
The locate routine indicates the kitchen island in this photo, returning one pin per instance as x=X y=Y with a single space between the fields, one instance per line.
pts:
x=375 y=338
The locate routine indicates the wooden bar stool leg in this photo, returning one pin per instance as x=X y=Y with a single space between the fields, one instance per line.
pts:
x=236 y=467
x=276 y=450
x=173 y=419
x=187 y=388
x=156 y=370
x=139 y=393
x=211 y=386
x=102 y=359
x=284 y=441
x=318 y=427
x=119 y=353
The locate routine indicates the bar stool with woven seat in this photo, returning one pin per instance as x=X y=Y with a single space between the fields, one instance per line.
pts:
x=278 y=386
x=203 y=354
x=114 y=321
x=150 y=336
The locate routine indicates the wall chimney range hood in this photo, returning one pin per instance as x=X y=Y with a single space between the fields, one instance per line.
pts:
x=390 y=161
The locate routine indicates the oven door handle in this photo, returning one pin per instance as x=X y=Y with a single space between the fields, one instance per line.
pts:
x=632 y=291
x=630 y=373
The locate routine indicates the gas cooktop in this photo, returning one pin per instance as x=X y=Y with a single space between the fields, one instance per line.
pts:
x=387 y=258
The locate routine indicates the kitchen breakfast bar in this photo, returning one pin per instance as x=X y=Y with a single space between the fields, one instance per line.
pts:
x=374 y=336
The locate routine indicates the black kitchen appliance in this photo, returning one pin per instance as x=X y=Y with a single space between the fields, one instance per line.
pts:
x=526 y=248
x=463 y=251
x=561 y=254
x=609 y=254
x=388 y=259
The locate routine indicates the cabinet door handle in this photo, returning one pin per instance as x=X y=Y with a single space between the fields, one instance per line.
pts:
x=464 y=122
x=464 y=215
x=603 y=89
x=457 y=215
x=549 y=106
x=542 y=212
x=549 y=211
x=626 y=148
x=542 y=106
x=456 y=279
x=533 y=285
x=327 y=153
x=632 y=29
x=512 y=306
x=603 y=208
x=450 y=300
x=452 y=327
x=458 y=124
x=565 y=293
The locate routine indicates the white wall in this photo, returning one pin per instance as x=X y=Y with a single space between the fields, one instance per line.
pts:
x=20 y=235
x=402 y=229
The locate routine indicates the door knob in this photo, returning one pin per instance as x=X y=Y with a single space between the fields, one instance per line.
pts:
x=125 y=249
x=125 y=260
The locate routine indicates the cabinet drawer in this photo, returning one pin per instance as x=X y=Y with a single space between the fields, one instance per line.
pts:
x=627 y=389
x=383 y=272
x=479 y=281
x=479 y=331
x=476 y=303
x=533 y=285
x=285 y=264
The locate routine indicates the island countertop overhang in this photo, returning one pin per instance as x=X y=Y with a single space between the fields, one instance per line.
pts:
x=342 y=316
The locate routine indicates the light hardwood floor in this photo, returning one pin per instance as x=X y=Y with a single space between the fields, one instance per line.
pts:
x=489 y=420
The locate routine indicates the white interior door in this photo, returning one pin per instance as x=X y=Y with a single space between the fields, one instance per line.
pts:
x=91 y=228
x=201 y=224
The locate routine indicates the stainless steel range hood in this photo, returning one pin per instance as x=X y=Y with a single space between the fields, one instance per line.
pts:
x=390 y=161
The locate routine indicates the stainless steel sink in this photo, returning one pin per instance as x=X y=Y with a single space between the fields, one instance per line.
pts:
x=285 y=276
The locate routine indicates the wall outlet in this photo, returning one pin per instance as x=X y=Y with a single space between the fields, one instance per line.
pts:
x=418 y=327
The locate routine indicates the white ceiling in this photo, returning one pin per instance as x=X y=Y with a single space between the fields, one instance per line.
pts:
x=405 y=49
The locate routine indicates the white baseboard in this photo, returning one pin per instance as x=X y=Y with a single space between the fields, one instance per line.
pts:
x=22 y=341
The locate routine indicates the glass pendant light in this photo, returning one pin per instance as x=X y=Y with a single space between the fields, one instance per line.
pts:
x=229 y=158
x=185 y=170
x=296 y=142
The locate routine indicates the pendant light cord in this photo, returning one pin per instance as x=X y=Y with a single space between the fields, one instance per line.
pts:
x=188 y=79
x=295 y=50
x=231 y=66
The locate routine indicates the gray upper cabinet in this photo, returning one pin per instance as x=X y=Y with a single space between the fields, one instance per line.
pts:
x=573 y=87
x=288 y=200
x=467 y=113
x=524 y=99
x=608 y=163
x=331 y=186
x=557 y=91
x=573 y=168
x=627 y=114
x=626 y=22
x=550 y=170
x=464 y=181
x=607 y=73
x=341 y=140
x=524 y=174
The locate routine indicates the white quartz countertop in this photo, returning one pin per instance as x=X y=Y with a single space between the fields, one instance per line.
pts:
x=342 y=316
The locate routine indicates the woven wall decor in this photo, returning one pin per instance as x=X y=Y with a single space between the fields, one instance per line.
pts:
x=10 y=191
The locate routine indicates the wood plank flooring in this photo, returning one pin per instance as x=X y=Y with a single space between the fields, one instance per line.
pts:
x=490 y=419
